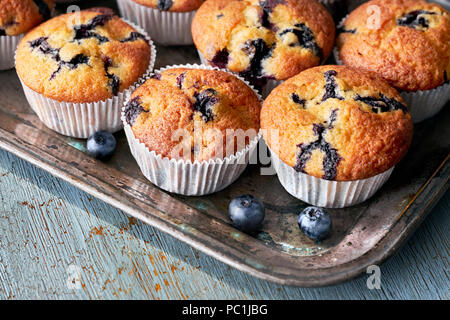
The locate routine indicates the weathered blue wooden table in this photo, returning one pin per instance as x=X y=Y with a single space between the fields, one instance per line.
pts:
x=57 y=242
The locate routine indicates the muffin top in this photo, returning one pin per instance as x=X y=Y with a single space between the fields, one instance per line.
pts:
x=172 y=5
x=410 y=47
x=337 y=123
x=17 y=17
x=264 y=39
x=187 y=114
x=85 y=58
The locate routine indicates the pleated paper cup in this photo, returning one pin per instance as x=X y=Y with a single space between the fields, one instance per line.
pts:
x=81 y=120
x=265 y=90
x=422 y=104
x=324 y=193
x=184 y=176
x=8 y=46
x=164 y=27
x=425 y=104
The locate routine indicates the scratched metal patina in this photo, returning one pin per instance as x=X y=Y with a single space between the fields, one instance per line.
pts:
x=361 y=235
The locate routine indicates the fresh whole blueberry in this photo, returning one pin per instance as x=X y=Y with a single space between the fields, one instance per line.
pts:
x=246 y=212
x=101 y=145
x=315 y=223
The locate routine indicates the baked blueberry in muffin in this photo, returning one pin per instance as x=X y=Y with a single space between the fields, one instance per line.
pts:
x=195 y=104
x=337 y=123
x=88 y=60
x=19 y=16
x=263 y=39
x=409 y=45
x=16 y=18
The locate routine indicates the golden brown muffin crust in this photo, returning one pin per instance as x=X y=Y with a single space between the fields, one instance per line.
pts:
x=411 y=49
x=337 y=123
x=264 y=39
x=82 y=61
x=19 y=16
x=196 y=103
x=172 y=5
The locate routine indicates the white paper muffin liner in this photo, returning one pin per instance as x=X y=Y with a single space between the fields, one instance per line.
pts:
x=8 y=46
x=422 y=104
x=425 y=104
x=164 y=27
x=324 y=193
x=81 y=120
x=186 y=177
x=266 y=89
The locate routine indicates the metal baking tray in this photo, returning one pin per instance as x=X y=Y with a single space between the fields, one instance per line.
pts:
x=362 y=235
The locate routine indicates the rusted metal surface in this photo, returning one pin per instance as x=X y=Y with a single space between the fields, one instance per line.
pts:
x=362 y=235
x=48 y=228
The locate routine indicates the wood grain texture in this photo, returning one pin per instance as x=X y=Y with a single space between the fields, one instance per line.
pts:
x=46 y=225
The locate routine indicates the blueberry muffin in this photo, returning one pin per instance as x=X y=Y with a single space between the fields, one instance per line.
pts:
x=263 y=40
x=16 y=18
x=19 y=16
x=172 y=5
x=337 y=123
x=195 y=104
x=83 y=61
x=409 y=47
x=168 y=22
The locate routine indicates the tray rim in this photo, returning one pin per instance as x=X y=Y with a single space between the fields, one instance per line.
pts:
x=385 y=248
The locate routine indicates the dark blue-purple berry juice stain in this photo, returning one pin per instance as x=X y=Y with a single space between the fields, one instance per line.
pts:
x=257 y=51
x=101 y=145
x=113 y=80
x=133 y=109
x=305 y=39
x=84 y=31
x=204 y=101
x=331 y=87
x=156 y=76
x=382 y=104
x=134 y=36
x=269 y=5
x=180 y=80
x=331 y=157
x=221 y=58
x=267 y=8
x=315 y=223
x=343 y=30
x=415 y=19
x=44 y=47
x=164 y=5
x=296 y=98
x=247 y=213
